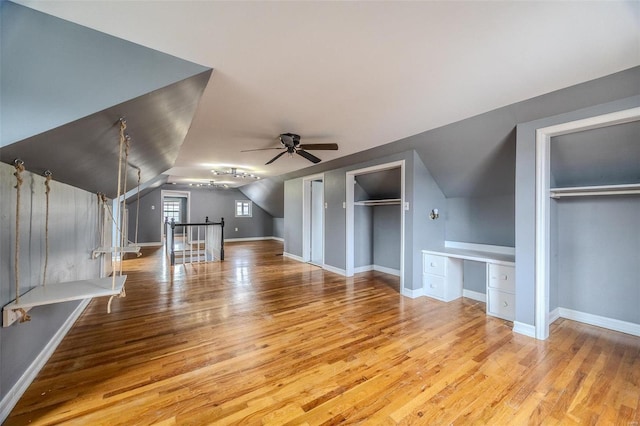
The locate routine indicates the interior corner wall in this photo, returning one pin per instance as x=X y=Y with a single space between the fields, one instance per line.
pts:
x=278 y=227
x=386 y=238
x=526 y=196
x=73 y=234
x=363 y=236
x=426 y=233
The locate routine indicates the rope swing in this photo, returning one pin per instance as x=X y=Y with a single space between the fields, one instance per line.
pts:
x=47 y=179
x=19 y=166
x=137 y=208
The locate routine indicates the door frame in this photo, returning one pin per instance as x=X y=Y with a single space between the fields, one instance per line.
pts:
x=543 y=203
x=306 y=216
x=173 y=193
x=349 y=205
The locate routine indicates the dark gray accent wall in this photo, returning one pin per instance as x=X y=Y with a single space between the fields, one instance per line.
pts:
x=387 y=236
x=214 y=203
x=73 y=234
x=482 y=220
x=525 y=192
x=599 y=256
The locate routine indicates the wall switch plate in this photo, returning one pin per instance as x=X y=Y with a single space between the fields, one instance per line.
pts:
x=406 y=206
x=236 y=229
x=344 y=204
x=326 y=205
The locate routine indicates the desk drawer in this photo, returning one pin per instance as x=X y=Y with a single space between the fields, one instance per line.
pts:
x=436 y=265
x=434 y=286
x=502 y=277
x=501 y=304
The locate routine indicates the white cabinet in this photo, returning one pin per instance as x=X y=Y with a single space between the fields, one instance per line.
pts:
x=501 y=289
x=441 y=277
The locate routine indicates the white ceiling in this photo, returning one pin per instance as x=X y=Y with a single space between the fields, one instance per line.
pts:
x=360 y=74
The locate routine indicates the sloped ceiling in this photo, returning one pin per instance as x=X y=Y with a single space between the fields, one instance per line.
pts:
x=64 y=89
x=366 y=74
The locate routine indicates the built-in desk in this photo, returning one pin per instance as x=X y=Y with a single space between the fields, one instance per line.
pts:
x=442 y=276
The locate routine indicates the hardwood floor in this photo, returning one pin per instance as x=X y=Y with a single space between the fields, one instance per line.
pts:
x=263 y=339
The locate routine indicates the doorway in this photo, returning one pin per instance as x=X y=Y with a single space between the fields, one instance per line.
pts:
x=175 y=205
x=313 y=220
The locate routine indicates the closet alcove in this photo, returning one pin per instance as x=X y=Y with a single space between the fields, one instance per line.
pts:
x=595 y=225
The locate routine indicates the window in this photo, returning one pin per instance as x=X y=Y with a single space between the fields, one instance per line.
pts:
x=171 y=209
x=243 y=208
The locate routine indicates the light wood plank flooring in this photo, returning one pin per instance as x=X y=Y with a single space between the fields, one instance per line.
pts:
x=262 y=339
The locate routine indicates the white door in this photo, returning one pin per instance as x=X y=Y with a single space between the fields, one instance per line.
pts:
x=317 y=222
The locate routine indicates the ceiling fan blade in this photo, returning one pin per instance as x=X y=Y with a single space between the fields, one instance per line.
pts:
x=276 y=157
x=308 y=156
x=319 y=146
x=261 y=149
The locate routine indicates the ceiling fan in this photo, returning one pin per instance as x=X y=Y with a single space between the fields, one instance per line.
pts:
x=291 y=144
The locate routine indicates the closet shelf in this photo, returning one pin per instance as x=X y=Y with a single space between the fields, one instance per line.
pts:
x=589 y=191
x=386 y=202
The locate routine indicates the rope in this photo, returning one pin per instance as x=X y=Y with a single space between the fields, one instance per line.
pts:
x=123 y=127
x=137 y=208
x=123 y=239
x=48 y=176
x=19 y=166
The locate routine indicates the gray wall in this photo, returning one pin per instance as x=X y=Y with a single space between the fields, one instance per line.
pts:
x=482 y=220
x=48 y=62
x=387 y=236
x=293 y=218
x=599 y=256
x=363 y=240
x=73 y=234
x=278 y=227
x=214 y=203
x=525 y=196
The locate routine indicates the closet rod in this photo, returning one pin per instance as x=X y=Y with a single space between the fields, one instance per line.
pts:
x=592 y=193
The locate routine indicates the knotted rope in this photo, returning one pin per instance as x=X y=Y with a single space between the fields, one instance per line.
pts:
x=47 y=179
x=19 y=166
x=137 y=208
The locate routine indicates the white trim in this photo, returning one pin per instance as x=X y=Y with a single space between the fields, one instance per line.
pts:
x=481 y=247
x=17 y=390
x=524 y=329
x=554 y=315
x=335 y=270
x=475 y=295
x=542 y=208
x=278 y=239
x=349 y=205
x=177 y=194
x=360 y=269
x=384 y=269
x=411 y=293
x=293 y=256
x=599 y=321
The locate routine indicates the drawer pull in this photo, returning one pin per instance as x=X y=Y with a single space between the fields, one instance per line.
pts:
x=504 y=277
x=505 y=304
x=432 y=285
x=433 y=264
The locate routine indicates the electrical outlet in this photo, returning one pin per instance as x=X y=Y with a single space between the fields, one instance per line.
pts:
x=236 y=229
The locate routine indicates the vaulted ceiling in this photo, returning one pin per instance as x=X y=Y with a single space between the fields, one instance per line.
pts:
x=364 y=74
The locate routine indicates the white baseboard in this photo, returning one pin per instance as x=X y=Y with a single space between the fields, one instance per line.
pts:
x=554 y=315
x=292 y=256
x=475 y=295
x=481 y=247
x=335 y=270
x=386 y=270
x=525 y=329
x=598 y=321
x=277 y=239
x=17 y=390
x=412 y=293
x=378 y=268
